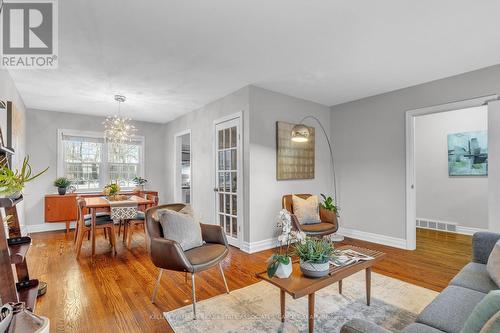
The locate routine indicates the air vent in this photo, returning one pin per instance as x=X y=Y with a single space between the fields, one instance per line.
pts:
x=437 y=225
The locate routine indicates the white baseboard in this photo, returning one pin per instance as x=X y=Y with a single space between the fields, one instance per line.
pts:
x=252 y=247
x=258 y=246
x=469 y=230
x=374 y=238
x=47 y=227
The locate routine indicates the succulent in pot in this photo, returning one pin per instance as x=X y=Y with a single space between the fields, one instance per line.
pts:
x=62 y=183
x=315 y=255
x=12 y=182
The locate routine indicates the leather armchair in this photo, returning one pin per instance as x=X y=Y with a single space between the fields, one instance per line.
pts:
x=328 y=225
x=168 y=255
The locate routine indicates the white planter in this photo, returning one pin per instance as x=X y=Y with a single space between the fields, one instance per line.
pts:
x=314 y=270
x=284 y=271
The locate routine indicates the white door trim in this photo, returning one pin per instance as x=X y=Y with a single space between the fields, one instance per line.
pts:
x=177 y=178
x=411 y=207
x=240 y=175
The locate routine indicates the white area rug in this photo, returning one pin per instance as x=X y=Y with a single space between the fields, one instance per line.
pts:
x=256 y=308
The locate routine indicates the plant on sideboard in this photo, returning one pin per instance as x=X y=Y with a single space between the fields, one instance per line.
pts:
x=280 y=263
x=62 y=183
x=12 y=182
x=140 y=182
x=314 y=255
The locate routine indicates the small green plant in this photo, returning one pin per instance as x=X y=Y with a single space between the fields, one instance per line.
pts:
x=329 y=204
x=62 y=182
x=12 y=182
x=138 y=181
x=111 y=189
x=317 y=251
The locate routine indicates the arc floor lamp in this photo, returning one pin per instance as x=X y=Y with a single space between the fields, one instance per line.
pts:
x=300 y=133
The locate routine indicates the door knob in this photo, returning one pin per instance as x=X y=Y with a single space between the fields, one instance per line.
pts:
x=216 y=189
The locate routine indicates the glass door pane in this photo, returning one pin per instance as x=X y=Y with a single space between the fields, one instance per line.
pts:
x=226 y=156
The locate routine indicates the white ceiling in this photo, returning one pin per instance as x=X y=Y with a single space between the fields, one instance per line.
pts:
x=170 y=57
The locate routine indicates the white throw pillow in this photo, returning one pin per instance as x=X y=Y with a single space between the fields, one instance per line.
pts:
x=493 y=265
x=306 y=210
x=182 y=228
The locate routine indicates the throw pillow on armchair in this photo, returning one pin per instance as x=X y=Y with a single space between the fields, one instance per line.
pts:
x=306 y=210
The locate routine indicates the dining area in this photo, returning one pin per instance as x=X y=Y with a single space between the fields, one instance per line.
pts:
x=113 y=218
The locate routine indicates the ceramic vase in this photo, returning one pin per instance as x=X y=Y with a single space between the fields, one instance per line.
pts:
x=284 y=271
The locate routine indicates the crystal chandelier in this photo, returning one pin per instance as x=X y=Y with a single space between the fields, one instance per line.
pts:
x=118 y=129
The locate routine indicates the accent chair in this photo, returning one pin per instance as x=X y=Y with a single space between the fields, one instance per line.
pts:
x=168 y=255
x=328 y=225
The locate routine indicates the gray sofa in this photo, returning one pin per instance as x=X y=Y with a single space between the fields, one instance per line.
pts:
x=449 y=311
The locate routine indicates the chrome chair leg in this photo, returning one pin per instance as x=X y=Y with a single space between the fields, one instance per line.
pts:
x=155 y=291
x=194 y=295
x=223 y=277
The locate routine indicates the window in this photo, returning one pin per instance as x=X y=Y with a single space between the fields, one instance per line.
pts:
x=90 y=163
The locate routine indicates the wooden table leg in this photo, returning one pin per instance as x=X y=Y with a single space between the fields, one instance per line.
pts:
x=311 y=312
x=340 y=287
x=92 y=232
x=67 y=227
x=282 y=303
x=368 y=284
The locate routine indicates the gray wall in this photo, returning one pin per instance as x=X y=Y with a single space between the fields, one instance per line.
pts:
x=42 y=127
x=8 y=92
x=266 y=108
x=262 y=192
x=463 y=200
x=369 y=136
x=201 y=124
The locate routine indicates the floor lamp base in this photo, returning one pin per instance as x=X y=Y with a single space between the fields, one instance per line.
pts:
x=336 y=237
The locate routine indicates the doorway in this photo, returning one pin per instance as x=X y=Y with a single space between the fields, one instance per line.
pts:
x=229 y=178
x=411 y=165
x=183 y=168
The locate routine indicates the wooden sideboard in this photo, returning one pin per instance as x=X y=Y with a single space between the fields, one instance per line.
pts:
x=62 y=208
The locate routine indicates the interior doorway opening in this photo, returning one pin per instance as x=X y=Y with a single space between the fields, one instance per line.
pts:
x=183 y=168
x=447 y=168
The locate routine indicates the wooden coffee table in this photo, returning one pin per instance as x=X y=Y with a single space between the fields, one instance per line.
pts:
x=297 y=285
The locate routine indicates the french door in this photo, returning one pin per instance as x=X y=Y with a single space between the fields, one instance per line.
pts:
x=228 y=179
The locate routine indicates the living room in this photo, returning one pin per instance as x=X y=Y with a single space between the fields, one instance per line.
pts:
x=222 y=115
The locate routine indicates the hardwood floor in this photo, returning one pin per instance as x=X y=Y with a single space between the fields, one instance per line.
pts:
x=114 y=293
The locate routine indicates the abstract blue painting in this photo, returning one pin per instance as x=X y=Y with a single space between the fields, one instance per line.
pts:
x=468 y=154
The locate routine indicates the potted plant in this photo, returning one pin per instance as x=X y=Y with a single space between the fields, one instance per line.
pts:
x=62 y=183
x=315 y=255
x=12 y=182
x=111 y=190
x=328 y=210
x=139 y=183
x=280 y=263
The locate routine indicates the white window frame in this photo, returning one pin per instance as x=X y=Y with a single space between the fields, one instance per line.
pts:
x=103 y=177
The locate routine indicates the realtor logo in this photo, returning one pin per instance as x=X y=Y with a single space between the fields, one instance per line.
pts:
x=29 y=34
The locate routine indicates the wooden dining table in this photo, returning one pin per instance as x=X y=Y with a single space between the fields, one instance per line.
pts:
x=94 y=204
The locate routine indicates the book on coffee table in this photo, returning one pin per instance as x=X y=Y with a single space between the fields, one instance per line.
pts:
x=349 y=256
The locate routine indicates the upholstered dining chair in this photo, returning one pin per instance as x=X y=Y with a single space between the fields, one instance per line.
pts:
x=84 y=225
x=168 y=255
x=130 y=225
x=328 y=223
